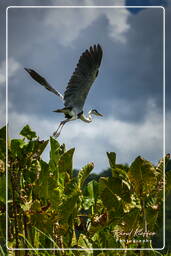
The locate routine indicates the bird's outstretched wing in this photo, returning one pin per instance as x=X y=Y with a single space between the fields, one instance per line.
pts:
x=83 y=77
x=41 y=80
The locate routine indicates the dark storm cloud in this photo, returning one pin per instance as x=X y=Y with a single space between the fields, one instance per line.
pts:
x=3 y=5
x=130 y=75
x=137 y=72
x=144 y=3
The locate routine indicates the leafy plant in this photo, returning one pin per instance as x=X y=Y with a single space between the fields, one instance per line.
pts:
x=50 y=206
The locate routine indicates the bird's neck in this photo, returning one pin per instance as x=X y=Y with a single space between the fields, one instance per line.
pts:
x=87 y=119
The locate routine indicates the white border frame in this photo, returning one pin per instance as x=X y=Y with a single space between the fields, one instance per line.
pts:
x=88 y=249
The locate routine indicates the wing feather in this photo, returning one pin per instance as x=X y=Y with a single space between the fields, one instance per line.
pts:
x=83 y=77
x=41 y=80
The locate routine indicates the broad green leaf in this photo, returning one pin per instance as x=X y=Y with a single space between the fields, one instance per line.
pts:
x=43 y=180
x=35 y=147
x=16 y=148
x=106 y=239
x=84 y=173
x=112 y=159
x=65 y=161
x=154 y=217
x=54 y=168
x=142 y=175
x=28 y=133
x=46 y=186
x=54 y=193
x=54 y=149
x=116 y=187
x=107 y=194
x=55 y=153
x=30 y=172
x=67 y=207
x=91 y=195
x=70 y=186
x=130 y=220
x=44 y=174
x=121 y=174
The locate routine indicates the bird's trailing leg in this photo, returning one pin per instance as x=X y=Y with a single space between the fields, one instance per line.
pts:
x=58 y=131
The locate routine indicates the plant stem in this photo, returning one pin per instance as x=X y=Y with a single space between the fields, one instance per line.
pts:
x=144 y=216
x=15 y=210
x=26 y=233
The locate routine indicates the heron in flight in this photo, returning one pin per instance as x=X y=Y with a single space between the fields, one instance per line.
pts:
x=78 y=87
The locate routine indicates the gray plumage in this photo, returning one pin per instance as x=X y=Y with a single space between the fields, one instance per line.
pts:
x=78 y=86
x=83 y=78
x=41 y=80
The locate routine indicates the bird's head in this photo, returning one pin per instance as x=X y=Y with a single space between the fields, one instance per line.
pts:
x=95 y=112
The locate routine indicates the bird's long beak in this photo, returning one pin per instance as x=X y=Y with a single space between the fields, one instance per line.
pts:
x=26 y=69
x=99 y=114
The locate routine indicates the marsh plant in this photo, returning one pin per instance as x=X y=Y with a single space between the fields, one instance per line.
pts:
x=50 y=207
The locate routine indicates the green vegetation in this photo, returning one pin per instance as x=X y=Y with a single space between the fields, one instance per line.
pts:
x=52 y=206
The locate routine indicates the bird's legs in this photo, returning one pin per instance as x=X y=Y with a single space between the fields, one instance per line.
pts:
x=58 y=131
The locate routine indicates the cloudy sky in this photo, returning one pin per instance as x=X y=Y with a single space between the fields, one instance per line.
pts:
x=128 y=90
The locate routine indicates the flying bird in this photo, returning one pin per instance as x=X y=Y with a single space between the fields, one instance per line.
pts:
x=78 y=87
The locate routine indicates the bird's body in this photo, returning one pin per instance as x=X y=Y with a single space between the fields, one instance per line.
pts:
x=78 y=86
